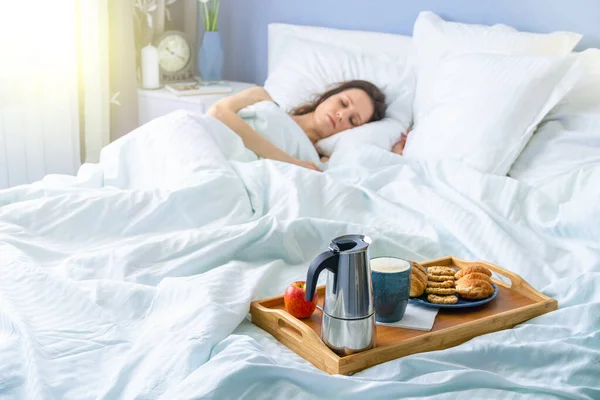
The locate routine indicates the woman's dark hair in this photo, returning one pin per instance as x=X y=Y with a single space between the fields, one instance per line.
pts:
x=377 y=98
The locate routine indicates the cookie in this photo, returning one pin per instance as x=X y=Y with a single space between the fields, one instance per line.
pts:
x=440 y=291
x=440 y=278
x=473 y=289
x=445 y=284
x=472 y=268
x=441 y=271
x=477 y=275
x=432 y=298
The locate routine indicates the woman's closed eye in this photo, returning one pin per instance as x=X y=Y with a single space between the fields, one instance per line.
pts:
x=353 y=120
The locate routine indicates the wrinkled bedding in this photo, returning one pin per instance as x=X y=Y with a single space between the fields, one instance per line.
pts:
x=133 y=279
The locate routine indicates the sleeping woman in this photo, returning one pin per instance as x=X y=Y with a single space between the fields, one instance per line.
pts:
x=348 y=105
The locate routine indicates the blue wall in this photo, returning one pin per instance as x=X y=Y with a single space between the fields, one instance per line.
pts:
x=243 y=23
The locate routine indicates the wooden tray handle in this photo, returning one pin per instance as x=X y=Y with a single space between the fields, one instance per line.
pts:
x=516 y=282
x=292 y=327
x=289 y=329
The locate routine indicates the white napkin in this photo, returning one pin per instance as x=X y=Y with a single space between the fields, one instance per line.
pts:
x=415 y=317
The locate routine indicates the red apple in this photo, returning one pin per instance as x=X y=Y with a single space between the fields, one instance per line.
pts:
x=295 y=301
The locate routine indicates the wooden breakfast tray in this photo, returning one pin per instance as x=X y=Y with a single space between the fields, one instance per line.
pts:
x=516 y=302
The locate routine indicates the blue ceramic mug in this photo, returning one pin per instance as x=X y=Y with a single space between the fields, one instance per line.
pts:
x=391 y=287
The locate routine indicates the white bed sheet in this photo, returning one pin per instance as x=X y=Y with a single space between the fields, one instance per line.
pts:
x=141 y=289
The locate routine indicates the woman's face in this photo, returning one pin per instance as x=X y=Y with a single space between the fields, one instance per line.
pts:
x=345 y=110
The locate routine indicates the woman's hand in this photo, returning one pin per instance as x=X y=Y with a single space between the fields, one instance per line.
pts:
x=307 y=164
x=399 y=146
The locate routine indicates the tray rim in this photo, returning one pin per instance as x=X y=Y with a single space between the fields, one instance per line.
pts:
x=334 y=364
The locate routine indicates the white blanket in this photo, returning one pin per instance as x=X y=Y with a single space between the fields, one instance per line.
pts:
x=133 y=280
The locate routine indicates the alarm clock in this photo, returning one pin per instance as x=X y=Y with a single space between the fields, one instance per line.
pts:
x=174 y=56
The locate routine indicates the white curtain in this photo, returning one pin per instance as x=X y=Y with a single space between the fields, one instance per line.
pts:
x=108 y=85
x=94 y=90
x=39 y=118
x=67 y=84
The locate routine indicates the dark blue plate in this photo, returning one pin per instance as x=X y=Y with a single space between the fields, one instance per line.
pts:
x=462 y=303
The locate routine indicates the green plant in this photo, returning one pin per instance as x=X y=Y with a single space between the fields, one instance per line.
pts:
x=210 y=14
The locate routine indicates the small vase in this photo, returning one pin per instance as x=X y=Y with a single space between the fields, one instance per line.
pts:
x=210 y=57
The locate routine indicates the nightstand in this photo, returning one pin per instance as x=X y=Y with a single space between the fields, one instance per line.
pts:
x=154 y=103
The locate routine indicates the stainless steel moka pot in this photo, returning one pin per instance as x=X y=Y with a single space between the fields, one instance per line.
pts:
x=348 y=324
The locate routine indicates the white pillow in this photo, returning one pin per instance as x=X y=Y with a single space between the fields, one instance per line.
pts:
x=383 y=134
x=434 y=39
x=483 y=108
x=568 y=138
x=353 y=40
x=307 y=68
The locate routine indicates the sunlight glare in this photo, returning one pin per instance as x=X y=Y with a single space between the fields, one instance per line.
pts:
x=38 y=38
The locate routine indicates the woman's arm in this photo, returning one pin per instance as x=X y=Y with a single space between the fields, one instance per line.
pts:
x=226 y=110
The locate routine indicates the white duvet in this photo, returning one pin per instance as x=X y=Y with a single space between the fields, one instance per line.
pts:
x=133 y=280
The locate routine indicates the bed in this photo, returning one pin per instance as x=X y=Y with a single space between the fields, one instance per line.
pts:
x=134 y=278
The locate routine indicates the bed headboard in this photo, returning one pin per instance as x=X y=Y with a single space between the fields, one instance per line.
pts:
x=244 y=24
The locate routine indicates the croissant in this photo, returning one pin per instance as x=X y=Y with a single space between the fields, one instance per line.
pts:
x=472 y=268
x=474 y=289
x=477 y=275
x=420 y=272
x=417 y=288
x=418 y=280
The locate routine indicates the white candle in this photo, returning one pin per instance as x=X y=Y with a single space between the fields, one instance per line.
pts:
x=150 y=69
